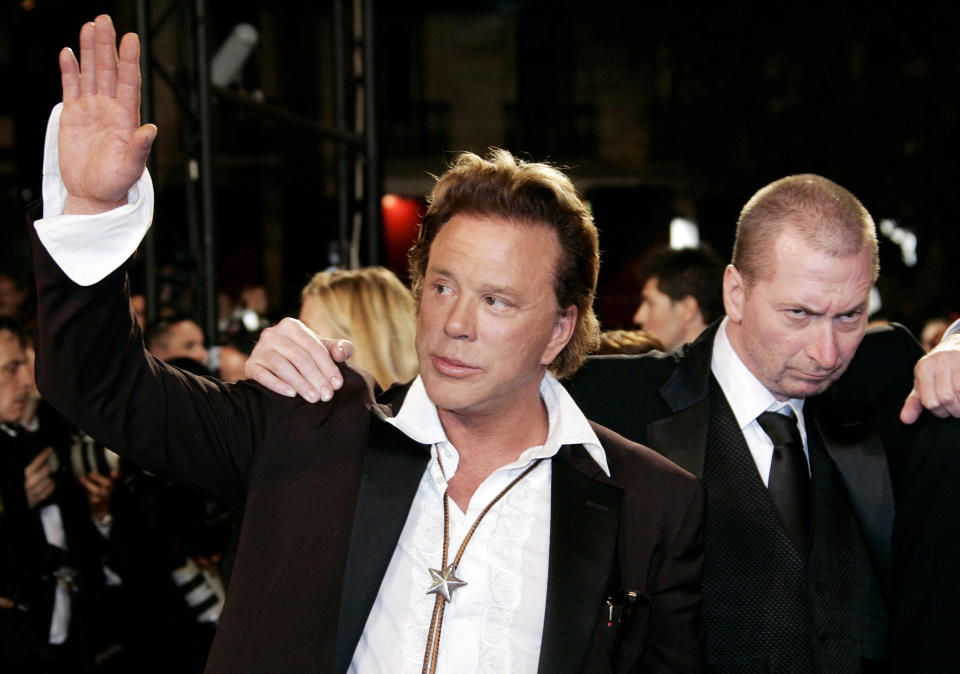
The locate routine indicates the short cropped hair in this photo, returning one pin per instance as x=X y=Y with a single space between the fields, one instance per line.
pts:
x=828 y=217
x=372 y=308
x=524 y=193
x=694 y=272
x=16 y=329
x=158 y=331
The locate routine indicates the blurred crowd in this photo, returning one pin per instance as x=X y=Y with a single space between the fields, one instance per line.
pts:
x=104 y=566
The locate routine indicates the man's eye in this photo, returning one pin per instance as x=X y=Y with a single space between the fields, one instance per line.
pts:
x=494 y=301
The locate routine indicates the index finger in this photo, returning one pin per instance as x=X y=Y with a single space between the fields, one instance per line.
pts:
x=69 y=75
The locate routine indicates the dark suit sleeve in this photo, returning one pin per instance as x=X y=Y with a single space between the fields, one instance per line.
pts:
x=926 y=546
x=676 y=641
x=92 y=367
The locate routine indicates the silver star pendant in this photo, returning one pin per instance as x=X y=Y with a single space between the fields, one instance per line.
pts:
x=444 y=582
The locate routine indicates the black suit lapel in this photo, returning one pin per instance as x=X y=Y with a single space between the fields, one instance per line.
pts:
x=584 y=525
x=850 y=435
x=392 y=469
x=682 y=438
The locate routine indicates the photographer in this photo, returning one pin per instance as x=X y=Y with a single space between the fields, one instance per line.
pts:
x=54 y=527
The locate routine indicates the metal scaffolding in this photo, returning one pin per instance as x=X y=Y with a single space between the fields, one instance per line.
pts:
x=357 y=161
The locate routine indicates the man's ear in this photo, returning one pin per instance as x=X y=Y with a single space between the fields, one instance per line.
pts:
x=563 y=329
x=734 y=293
x=688 y=308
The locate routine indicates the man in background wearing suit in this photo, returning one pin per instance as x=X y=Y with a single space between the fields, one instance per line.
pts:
x=792 y=452
x=570 y=548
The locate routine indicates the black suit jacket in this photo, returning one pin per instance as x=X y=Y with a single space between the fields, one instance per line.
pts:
x=662 y=400
x=926 y=548
x=326 y=490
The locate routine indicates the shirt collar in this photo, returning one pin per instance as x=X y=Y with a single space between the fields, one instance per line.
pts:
x=748 y=398
x=418 y=420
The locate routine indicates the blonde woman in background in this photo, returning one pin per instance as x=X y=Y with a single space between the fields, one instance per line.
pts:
x=371 y=308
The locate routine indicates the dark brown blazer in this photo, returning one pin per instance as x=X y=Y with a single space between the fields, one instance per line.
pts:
x=326 y=489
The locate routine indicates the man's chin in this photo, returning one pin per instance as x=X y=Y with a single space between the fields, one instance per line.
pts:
x=806 y=388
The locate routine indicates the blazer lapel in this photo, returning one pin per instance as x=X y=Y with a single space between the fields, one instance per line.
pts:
x=584 y=526
x=850 y=436
x=392 y=469
x=682 y=437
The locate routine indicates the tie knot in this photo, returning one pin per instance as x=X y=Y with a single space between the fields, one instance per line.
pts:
x=782 y=428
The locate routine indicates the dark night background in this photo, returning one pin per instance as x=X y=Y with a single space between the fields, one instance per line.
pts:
x=657 y=109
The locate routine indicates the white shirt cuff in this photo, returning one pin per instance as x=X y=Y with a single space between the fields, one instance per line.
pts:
x=952 y=329
x=89 y=247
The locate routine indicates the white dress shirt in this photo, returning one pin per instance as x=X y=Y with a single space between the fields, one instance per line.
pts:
x=495 y=622
x=748 y=399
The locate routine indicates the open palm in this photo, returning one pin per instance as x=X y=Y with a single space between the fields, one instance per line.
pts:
x=103 y=148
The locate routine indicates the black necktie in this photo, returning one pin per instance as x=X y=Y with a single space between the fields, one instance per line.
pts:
x=789 y=483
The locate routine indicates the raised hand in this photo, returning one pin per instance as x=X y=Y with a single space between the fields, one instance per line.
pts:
x=289 y=359
x=103 y=148
x=936 y=383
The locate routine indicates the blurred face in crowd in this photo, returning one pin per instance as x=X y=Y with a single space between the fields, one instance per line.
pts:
x=489 y=323
x=183 y=340
x=15 y=380
x=11 y=297
x=659 y=315
x=797 y=327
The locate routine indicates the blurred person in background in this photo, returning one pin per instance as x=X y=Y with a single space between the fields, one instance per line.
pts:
x=13 y=295
x=682 y=294
x=55 y=502
x=177 y=337
x=371 y=308
x=932 y=332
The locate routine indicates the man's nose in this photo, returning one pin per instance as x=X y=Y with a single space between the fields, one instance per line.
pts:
x=822 y=347
x=640 y=317
x=461 y=319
